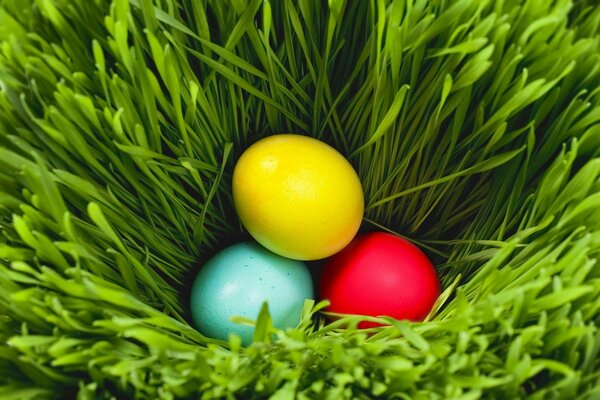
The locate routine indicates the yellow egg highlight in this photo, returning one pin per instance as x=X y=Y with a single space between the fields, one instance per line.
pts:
x=298 y=196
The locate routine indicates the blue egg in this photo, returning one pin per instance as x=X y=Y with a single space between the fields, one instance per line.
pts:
x=237 y=281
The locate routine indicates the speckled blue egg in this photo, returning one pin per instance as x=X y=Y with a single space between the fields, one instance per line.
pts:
x=236 y=282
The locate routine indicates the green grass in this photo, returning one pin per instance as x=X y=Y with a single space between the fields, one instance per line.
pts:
x=474 y=126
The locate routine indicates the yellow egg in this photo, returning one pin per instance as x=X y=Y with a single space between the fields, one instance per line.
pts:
x=298 y=196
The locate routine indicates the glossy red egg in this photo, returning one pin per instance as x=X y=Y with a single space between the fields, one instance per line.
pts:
x=379 y=274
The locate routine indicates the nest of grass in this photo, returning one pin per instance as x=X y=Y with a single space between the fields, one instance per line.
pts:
x=474 y=126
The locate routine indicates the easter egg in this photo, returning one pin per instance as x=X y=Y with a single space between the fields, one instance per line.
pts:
x=380 y=274
x=236 y=282
x=298 y=196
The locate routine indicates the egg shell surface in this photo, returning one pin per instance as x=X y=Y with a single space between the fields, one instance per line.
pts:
x=380 y=274
x=298 y=196
x=236 y=282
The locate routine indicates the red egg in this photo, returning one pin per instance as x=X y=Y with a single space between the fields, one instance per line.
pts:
x=380 y=274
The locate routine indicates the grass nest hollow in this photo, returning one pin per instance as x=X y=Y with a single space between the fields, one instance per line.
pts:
x=474 y=126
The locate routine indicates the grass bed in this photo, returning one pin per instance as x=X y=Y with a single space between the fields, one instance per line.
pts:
x=474 y=126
